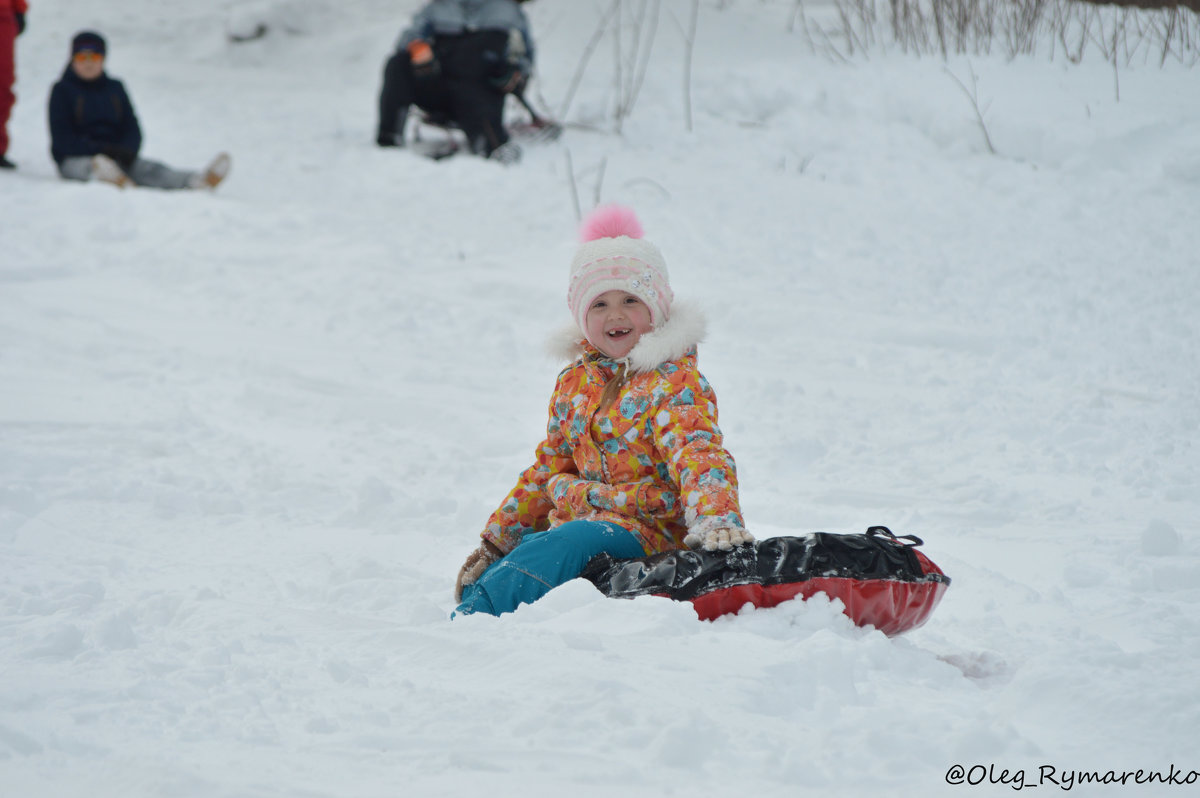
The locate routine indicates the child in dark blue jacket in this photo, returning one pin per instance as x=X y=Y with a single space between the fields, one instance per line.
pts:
x=94 y=131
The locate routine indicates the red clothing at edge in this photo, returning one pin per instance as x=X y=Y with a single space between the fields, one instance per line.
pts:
x=8 y=73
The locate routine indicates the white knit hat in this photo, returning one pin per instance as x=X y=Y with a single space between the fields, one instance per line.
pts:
x=614 y=256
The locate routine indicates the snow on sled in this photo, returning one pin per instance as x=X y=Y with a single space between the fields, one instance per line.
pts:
x=449 y=140
x=882 y=580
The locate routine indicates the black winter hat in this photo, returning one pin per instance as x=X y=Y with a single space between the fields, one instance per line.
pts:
x=88 y=40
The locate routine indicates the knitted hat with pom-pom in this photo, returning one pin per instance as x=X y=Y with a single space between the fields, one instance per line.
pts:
x=614 y=256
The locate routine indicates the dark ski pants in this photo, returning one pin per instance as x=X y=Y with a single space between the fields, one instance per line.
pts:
x=545 y=560
x=463 y=94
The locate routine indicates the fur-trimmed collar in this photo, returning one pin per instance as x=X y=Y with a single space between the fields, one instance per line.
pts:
x=683 y=330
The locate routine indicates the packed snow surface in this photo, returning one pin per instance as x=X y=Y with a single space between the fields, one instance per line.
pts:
x=248 y=437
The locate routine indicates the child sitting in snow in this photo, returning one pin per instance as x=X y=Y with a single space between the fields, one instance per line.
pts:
x=632 y=463
x=94 y=131
x=459 y=59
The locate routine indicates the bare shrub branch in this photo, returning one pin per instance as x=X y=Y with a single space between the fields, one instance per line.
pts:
x=573 y=187
x=689 y=43
x=586 y=56
x=1118 y=30
x=973 y=95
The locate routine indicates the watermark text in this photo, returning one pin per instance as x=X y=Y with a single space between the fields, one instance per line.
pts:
x=1064 y=779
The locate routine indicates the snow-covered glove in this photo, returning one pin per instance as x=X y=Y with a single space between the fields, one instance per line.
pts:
x=477 y=562
x=712 y=537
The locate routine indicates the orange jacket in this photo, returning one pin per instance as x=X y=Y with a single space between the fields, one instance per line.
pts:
x=653 y=463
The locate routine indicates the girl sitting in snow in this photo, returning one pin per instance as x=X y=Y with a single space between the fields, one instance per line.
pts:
x=632 y=463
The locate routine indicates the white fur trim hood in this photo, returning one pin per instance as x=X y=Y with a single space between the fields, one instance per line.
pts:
x=684 y=329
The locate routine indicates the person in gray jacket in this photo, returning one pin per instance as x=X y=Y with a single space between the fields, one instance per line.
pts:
x=459 y=59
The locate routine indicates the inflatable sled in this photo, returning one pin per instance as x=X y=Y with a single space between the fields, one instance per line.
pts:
x=882 y=579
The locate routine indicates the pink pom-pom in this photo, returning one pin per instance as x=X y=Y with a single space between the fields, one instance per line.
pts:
x=610 y=221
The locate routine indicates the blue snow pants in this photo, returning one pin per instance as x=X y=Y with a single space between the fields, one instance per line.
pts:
x=545 y=560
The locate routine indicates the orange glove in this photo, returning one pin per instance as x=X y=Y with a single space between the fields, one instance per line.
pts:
x=424 y=64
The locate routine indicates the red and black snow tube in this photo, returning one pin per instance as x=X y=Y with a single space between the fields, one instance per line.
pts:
x=881 y=579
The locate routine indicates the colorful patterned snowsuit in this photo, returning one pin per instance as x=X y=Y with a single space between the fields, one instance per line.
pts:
x=653 y=463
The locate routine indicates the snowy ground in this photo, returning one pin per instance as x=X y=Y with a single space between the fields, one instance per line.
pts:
x=246 y=439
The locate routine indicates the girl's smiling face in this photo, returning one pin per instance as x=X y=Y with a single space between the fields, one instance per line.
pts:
x=616 y=320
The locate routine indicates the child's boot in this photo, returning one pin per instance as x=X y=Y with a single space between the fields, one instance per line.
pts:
x=107 y=170
x=214 y=173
